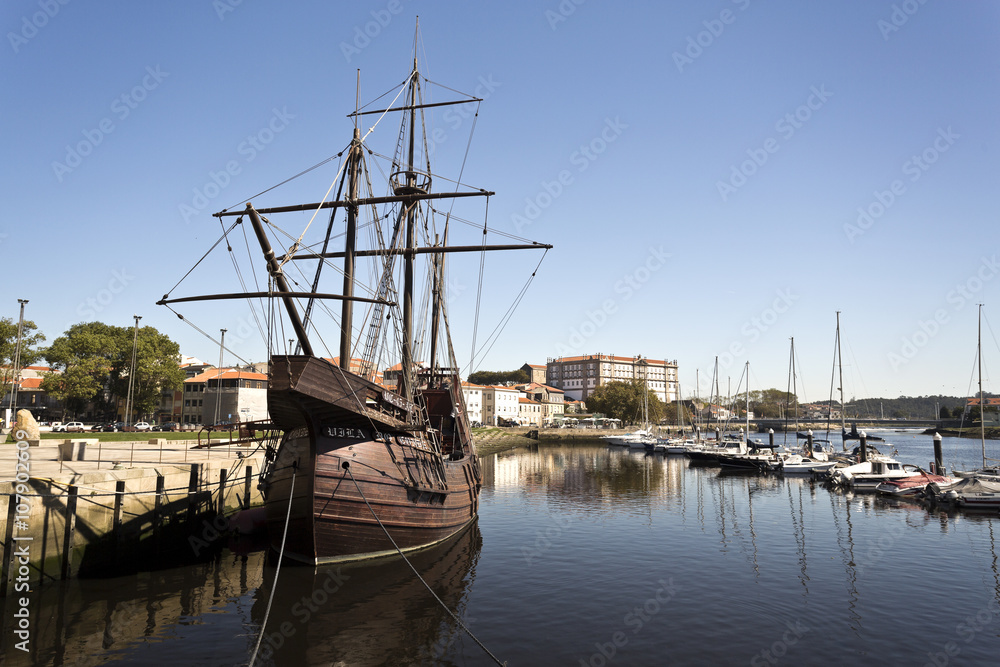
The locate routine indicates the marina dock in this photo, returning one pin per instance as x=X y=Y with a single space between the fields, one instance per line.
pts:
x=84 y=506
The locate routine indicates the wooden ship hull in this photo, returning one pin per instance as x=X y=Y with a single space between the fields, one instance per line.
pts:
x=421 y=487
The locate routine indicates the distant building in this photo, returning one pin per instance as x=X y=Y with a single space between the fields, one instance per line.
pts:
x=535 y=372
x=473 y=395
x=580 y=376
x=500 y=405
x=529 y=412
x=30 y=395
x=551 y=400
x=224 y=394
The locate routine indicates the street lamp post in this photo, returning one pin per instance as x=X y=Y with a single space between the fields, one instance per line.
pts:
x=218 y=381
x=131 y=371
x=16 y=377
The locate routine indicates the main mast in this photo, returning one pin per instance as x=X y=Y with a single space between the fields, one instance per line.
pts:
x=347 y=310
x=405 y=375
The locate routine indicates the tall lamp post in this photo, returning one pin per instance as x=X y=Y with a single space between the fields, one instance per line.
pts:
x=131 y=371
x=16 y=377
x=218 y=380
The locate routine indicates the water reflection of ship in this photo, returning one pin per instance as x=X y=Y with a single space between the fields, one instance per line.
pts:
x=90 y=622
x=370 y=614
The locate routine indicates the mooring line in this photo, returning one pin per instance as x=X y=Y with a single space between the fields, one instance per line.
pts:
x=347 y=466
x=277 y=569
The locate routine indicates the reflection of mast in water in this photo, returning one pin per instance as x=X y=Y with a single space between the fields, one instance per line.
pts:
x=798 y=525
x=753 y=535
x=847 y=553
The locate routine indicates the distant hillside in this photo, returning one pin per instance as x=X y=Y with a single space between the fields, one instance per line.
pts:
x=904 y=407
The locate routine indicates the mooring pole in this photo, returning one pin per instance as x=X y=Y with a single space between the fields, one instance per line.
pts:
x=863 y=453
x=938 y=466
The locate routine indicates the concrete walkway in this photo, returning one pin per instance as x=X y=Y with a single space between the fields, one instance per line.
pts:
x=78 y=456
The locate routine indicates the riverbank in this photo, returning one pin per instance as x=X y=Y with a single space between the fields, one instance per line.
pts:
x=967 y=432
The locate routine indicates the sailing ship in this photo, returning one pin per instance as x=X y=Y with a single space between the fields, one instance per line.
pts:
x=367 y=465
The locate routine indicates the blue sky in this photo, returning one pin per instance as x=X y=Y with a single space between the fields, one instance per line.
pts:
x=716 y=177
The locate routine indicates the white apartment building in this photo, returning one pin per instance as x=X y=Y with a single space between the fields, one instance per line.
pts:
x=580 y=376
x=473 y=395
x=500 y=403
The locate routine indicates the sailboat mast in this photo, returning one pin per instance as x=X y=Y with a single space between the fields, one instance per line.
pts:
x=405 y=377
x=840 y=384
x=982 y=407
x=347 y=309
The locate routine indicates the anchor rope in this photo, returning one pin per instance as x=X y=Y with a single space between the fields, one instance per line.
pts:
x=347 y=467
x=277 y=569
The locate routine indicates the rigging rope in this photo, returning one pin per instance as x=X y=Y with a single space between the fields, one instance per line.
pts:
x=347 y=467
x=277 y=569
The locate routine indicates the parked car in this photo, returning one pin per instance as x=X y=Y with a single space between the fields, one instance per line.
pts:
x=142 y=426
x=113 y=427
x=73 y=427
x=167 y=426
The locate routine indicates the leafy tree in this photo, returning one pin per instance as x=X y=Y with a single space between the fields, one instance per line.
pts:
x=623 y=400
x=96 y=360
x=773 y=404
x=518 y=376
x=30 y=338
x=945 y=412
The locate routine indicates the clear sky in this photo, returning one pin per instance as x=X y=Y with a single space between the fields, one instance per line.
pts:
x=716 y=177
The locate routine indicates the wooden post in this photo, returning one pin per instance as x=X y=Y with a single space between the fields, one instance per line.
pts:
x=193 y=486
x=222 y=490
x=158 y=511
x=116 y=526
x=770 y=438
x=863 y=453
x=100 y=443
x=246 y=487
x=8 y=546
x=809 y=442
x=68 y=569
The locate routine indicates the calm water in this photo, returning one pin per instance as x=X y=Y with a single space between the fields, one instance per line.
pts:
x=585 y=555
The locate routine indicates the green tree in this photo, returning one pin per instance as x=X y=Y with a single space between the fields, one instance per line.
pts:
x=518 y=376
x=96 y=363
x=623 y=400
x=30 y=353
